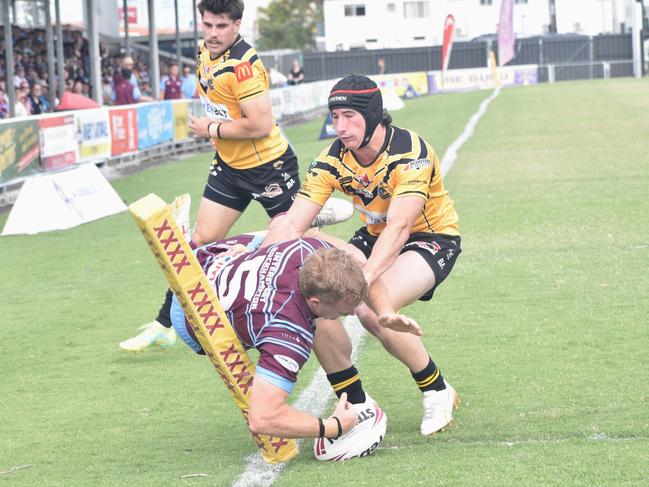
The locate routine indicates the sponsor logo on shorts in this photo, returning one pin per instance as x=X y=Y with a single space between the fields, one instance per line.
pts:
x=432 y=247
x=287 y=362
x=272 y=191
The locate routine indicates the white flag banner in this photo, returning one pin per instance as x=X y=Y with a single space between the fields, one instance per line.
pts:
x=61 y=200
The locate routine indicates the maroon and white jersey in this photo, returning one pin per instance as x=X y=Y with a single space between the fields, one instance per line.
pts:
x=260 y=293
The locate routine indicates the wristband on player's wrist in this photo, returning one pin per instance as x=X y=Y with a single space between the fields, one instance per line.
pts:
x=340 y=427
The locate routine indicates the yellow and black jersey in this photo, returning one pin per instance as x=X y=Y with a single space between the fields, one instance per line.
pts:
x=223 y=83
x=406 y=166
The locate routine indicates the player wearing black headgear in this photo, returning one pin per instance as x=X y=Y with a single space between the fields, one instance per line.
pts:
x=410 y=237
x=361 y=94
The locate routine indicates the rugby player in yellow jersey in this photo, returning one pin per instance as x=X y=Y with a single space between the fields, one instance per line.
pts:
x=253 y=161
x=410 y=238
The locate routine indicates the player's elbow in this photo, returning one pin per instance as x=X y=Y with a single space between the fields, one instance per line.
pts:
x=260 y=423
x=264 y=129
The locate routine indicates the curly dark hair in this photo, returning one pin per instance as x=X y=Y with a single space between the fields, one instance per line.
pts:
x=231 y=8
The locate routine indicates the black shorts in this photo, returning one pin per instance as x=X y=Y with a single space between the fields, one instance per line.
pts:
x=273 y=184
x=440 y=252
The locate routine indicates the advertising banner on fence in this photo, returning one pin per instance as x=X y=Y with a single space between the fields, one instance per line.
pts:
x=181 y=120
x=406 y=85
x=155 y=124
x=123 y=130
x=93 y=134
x=58 y=142
x=19 y=155
x=481 y=78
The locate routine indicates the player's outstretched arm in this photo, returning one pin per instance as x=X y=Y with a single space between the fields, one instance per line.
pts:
x=293 y=223
x=269 y=414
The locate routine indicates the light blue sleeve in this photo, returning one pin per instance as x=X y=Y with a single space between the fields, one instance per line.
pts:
x=275 y=379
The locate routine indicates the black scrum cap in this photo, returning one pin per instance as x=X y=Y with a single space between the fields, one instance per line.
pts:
x=362 y=95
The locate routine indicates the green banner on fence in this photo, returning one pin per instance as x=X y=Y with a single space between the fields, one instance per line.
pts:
x=19 y=149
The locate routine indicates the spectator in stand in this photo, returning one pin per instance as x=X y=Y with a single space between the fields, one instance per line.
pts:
x=124 y=92
x=78 y=87
x=23 y=107
x=4 y=101
x=107 y=85
x=38 y=102
x=380 y=65
x=146 y=90
x=170 y=86
x=19 y=76
x=296 y=74
x=189 y=83
x=122 y=95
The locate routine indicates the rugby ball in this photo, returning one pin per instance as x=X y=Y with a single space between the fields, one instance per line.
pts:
x=361 y=441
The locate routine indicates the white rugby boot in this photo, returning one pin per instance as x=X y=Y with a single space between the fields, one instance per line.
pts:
x=438 y=409
x=154 y=334
x=179 y=209
x=335 y=210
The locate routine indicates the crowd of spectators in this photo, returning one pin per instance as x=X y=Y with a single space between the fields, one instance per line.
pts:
x=32 y=84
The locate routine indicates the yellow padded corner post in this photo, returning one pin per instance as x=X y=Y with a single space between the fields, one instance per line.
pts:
x=204 y=313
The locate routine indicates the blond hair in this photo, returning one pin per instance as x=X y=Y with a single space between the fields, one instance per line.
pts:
x=331 y=275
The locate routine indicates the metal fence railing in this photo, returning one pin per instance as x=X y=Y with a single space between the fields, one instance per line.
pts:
x=542 y=50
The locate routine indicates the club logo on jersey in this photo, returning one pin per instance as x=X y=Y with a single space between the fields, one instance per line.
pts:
x=418 y=164
x=287 y=362
x=383 y=191
x=217 y=266
x=364 y=180
x=243 y=71
x=278 y=164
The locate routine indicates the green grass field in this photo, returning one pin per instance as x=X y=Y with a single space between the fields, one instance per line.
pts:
x=543 y=326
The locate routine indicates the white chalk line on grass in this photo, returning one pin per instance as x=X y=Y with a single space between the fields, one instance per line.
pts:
x=603 y=437
x=313 y=399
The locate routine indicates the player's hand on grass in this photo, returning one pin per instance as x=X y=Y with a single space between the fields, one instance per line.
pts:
x=346 y=413
x=398 y=322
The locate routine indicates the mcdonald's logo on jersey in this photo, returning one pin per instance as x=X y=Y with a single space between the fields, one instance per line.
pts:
x=243 y=71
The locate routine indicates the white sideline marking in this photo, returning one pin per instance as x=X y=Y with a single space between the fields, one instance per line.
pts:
x=313 y=399
x=531 y=441
x=259 y=473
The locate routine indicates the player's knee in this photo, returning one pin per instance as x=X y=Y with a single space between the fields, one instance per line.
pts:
x=369 y=320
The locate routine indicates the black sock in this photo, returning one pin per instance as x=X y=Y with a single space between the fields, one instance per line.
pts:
x=429 y=379
x=348 y=381
x=164 y=315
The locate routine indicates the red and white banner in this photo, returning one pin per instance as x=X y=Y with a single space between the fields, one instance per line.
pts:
x=123 y=130
x=447 y=46
x=58 y=141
